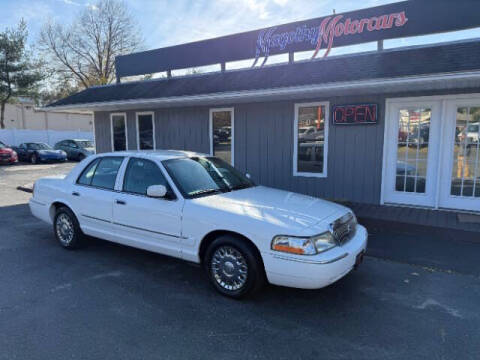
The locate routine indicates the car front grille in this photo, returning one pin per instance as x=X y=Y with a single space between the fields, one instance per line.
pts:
x=344 y=228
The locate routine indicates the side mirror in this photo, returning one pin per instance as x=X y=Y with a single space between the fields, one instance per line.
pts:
x=156 y=191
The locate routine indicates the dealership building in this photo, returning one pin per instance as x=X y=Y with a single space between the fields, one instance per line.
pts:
x=389 y=126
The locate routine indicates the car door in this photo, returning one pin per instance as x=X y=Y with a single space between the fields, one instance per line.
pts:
x=149 y=223
x=92 y=196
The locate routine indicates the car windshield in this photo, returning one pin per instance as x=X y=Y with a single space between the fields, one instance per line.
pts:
x=85 y=144
x=201 y=176
x=38 y=146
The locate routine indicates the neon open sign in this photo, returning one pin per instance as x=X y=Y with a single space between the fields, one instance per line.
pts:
x=355 y=114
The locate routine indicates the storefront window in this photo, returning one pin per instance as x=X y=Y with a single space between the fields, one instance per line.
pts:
x=119 y=132
x=311 y=129
x=145 y=131
x=221 y=137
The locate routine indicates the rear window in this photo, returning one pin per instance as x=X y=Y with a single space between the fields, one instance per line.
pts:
x=101 y=173
x=87 y=174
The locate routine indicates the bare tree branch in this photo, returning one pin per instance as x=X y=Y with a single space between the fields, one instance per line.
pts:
x=86 y=49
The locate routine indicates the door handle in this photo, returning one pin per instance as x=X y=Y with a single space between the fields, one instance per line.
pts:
x=75 y=193
x=120 y=202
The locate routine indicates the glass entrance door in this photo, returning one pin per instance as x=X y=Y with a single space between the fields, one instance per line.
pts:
x=460 y=186
x=411 y=153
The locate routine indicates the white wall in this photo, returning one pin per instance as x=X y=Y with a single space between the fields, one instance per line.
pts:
x=15 y=137
x=26 y=116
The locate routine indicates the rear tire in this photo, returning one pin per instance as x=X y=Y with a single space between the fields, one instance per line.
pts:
x=233 y=267
x=67 y=230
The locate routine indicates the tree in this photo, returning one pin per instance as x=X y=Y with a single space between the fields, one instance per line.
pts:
x=19 y=74
x=84 y=52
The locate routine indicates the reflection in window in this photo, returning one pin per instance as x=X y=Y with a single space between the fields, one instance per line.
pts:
x=140 y=174
x=310 y=140
x=119 y=135
x=465 y=179
x=412 y=150
x=145 y=132
x=106 y=171
x=222 y=135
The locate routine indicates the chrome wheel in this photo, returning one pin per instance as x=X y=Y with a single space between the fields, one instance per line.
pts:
x=229 y=268
x=34 y=159
x=64 y=228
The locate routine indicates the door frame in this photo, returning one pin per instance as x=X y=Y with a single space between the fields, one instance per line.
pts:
x=445 y=199
x=231 y=110
x=426 y=199
x=441 y=153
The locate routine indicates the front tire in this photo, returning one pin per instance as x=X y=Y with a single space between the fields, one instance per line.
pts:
x=234 y=267
x=81 y=157
x=34 y=159
x=67 y=230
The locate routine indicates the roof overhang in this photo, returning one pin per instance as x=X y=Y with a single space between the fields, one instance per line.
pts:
x=437 y=82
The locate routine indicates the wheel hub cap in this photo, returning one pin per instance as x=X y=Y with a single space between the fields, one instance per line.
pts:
x=229 y=268
x=64 y=227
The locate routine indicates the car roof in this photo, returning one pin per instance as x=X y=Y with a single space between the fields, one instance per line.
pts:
x=156 y=154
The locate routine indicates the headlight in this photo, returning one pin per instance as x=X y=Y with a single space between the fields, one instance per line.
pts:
x=324 y=241
x=302 y=245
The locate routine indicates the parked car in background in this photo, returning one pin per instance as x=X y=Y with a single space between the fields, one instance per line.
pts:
x=39 y=152
x=7 y=154
x=199 y=208
x=76 y=149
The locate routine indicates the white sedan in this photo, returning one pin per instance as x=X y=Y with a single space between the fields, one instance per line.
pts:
x=198 y=208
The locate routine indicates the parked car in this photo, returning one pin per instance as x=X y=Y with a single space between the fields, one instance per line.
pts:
x=76 y=149
x=419 y=135
x=7 y=154
x=199 y=208
x=39 y=152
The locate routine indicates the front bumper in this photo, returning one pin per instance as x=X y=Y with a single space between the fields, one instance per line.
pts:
x=318 y=271
x=8 y=160
x=51 y=159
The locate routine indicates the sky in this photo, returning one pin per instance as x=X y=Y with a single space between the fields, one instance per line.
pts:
x=170 y=22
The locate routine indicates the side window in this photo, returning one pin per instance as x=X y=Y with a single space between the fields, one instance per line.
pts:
x=140 y=174
x=119 y=132
x=106 y=172
x=87 y=174
x=310 y=146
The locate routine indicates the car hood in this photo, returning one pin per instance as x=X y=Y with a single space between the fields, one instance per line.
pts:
x=283 y=209
x=90 y=149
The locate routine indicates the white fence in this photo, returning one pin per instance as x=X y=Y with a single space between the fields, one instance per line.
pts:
x=15 y=137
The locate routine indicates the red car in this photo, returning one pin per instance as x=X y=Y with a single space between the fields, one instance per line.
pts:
x=7 y=155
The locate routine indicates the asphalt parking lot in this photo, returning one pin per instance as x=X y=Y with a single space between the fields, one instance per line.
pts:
x=113 y=302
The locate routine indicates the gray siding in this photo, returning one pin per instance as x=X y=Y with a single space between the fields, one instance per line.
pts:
x=264 y=144
x=103 y=140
